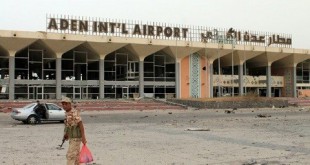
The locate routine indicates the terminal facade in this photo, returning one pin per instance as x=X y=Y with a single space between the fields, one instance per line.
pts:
x=85 y=58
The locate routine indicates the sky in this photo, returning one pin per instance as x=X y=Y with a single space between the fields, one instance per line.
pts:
x=276 y=16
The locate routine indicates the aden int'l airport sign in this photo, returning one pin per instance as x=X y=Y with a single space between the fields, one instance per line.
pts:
x=126 y=28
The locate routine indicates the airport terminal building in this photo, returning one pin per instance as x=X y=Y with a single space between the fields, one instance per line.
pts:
x=94 y=58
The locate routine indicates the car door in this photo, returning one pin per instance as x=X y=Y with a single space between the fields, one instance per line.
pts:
x=55 y=112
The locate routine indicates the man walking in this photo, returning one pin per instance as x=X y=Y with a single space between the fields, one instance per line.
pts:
x=74 y=131
x=40 y=110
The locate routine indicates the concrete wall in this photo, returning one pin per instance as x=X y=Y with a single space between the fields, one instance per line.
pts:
x=246 y=103
x=185 y=78
x=303 y=93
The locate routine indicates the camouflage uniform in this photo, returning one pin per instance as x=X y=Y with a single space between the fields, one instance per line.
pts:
x=72 y=129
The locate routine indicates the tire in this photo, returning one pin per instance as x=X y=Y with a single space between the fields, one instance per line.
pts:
x=25 y=121
x=32 y=119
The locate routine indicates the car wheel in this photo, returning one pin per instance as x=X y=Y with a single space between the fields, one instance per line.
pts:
x=25 y=121
x=32 y=119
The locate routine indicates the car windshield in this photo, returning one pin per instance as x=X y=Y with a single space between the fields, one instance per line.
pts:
x=29 y=105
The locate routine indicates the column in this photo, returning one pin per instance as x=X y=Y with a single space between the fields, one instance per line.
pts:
x=210 y=72
x=12 y=76
x=268 y=81
x=177 y=79
x=219 y=94
x=294 y=82
x=101 y=78
x=58 y=78
x=240 y=80
x=141 y=79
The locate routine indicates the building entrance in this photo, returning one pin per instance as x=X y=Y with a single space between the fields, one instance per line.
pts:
x=124 y=92
x=35 y=92
x=79 y=92
x=276 y=92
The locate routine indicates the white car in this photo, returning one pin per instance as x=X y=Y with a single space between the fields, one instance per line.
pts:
x=28 y=116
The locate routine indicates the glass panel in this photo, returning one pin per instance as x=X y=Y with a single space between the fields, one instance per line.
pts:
x=93 y=65
x=35 y=71
x=49 y=63
x=77 y=96
x=170 y=67
x=40 y=89
x=20 y=63
x=110 y=57
x=125 y=90
x=159 y=71
x=148 y=90
x=67 y=75
x=67 y=89
x=23 y=53
x=159 y=60
x=80 y=71
x=121 y=72
x=93 y=89
x=149 y=58
x=93 y=75
x=39 y=96
x=68 y=55
x=21 y=74
x=77 y=90
x=109 y=89
x=148 y=67
x=121 y=59
x=67 y=64
x=109 y=75
x=80 y=57
x=49 y=75
x=109 y=95
x=109 y=66
x=21 y=89
x=4 y=62
x=4 y=73
x=170 y=89
x=36 y=55
x=151 y=75
x=159 y=89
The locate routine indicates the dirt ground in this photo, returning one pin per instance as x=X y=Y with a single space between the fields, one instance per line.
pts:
x=182 y=137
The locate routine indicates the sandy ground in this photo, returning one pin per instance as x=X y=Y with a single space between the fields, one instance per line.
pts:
x=162 y=137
